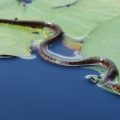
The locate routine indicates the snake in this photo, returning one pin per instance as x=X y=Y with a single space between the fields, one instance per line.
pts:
x=107 y=81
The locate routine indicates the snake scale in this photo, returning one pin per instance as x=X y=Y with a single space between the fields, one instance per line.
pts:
x=45 y=53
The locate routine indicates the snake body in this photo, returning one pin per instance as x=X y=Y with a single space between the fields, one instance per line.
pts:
x=44 y=51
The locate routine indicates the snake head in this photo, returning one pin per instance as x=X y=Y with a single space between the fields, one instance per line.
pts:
x=94 y=78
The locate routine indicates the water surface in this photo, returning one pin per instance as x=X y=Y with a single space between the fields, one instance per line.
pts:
x=37 y=90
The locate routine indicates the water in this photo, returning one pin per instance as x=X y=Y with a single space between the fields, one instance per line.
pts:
x=37 y=90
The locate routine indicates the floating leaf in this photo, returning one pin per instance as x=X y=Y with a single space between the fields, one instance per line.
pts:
x=77 y=20
x=104 y=41
x=16 y=40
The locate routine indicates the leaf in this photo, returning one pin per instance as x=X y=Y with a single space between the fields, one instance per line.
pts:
x=16 y=40
x=104 y=41
x=77 y=20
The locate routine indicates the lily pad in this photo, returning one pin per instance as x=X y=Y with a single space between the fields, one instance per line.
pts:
x=16 y=40
x=104 y=41
x=77 y=20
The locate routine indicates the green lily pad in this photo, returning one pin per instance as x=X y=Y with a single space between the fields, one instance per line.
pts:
x=104 y=41
x=16 y=40
x=76 y=20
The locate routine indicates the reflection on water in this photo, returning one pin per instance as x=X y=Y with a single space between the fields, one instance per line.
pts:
x=67 y=47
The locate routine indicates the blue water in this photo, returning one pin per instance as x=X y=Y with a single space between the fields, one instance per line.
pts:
x=38 y=90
